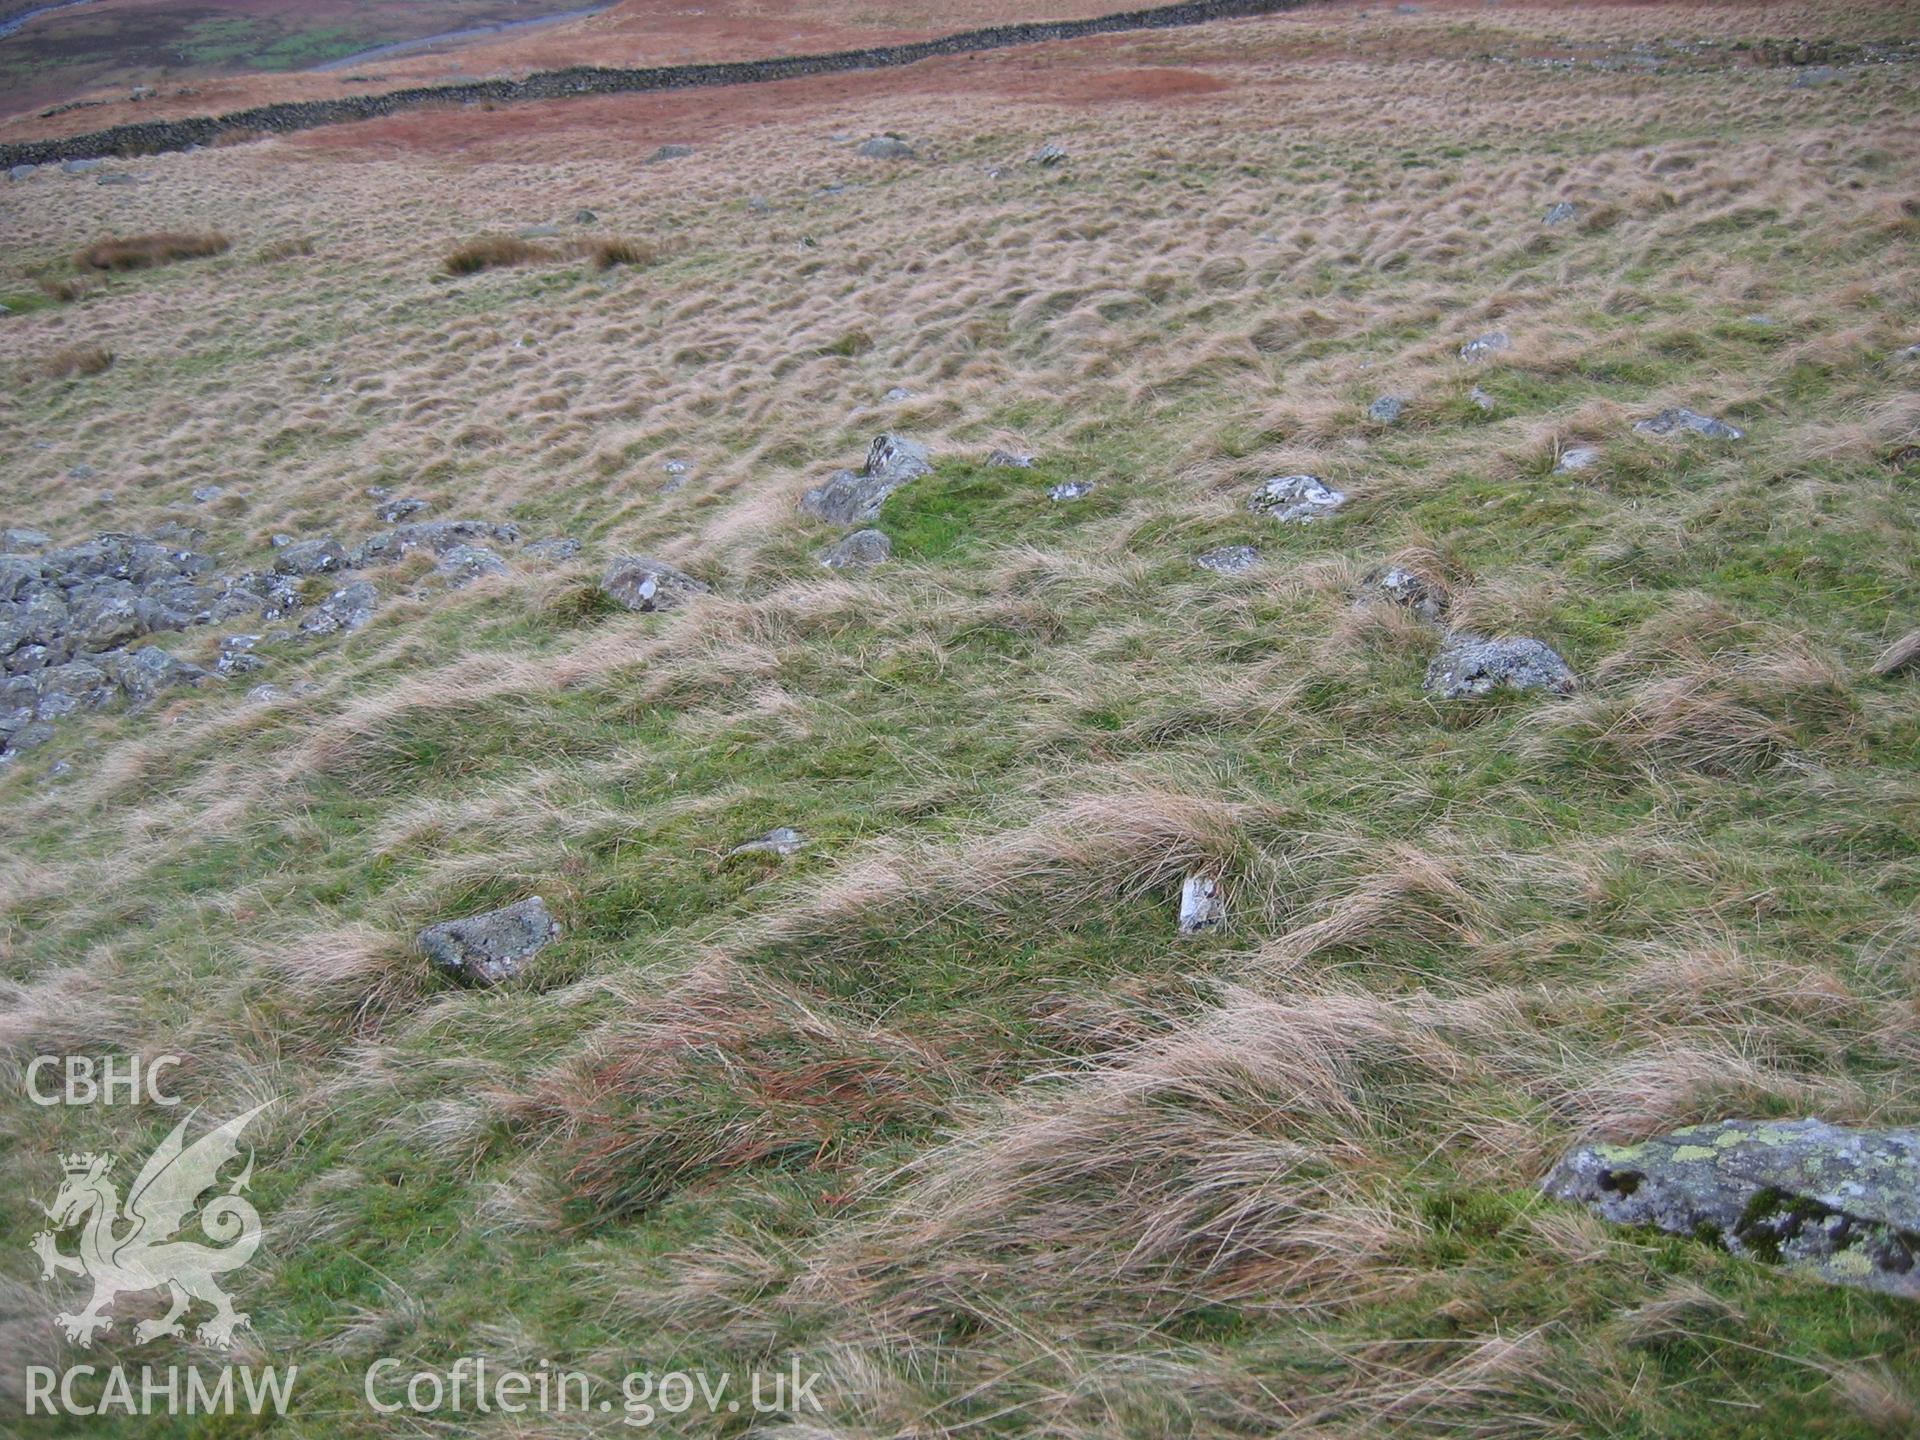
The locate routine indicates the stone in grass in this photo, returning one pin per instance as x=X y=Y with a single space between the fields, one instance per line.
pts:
x=16 y=538
x=1482 y=346
x=1678 y=417
x=1049 y=156
x=347 y=608
x=1472 y=665
x=886 y=147
x=1561 y=211
x=670 y=152
x=847 y=497
x=1576 y=458
x=1229 y=559
x=1203 y=905
x=1010 y=460
x=1387 y=409
x=310 y=557
x=1486 y=403
x=782 y=841
x=1839 y=1204
x=559 y=547
x=1071 y=490
x=859 y=551
x=639 y=582
x=463 y=564
x=1295 y=499
x=202 y=494
x=488 y=949
x=394 y=511
x=1426 y=599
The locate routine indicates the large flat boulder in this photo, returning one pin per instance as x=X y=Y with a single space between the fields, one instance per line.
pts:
x=1837 y=1203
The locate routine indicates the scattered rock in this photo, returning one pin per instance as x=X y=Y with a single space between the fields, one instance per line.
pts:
x=266 y=694
x=1481 y=346
x=670 y=152
x=1837 y=1203
x=560 y=547
x=1229 y=559
x=1295 y=499
x=1203 y=906
x=886 y=147
x=463 y=564
x=237 y=657
x=1427 y=599
x=1471 y=665
x=1561 y=211
x=81 y=167
x=16 y=538
x=848 y=498
x=392 y=512
x=147 y=671
x=1387 y=409
x=897 y=394
x=1814 y=75
x=491 y=948
x=642 y=583
x=781 y=841
x=861 y=550
x=310 y=557
x=347 y=608
x=1482 y=399
x=1071 y=490
x=1576 y=458
x=539 y=232
x=204 y=494
x=1010 y=460
x=1907 y=354
x=1049 y=156
x=1680 y=418
x=21 y=172
x=117 y=178
x=83 y=471
x=1903 y=654
x=584 y=216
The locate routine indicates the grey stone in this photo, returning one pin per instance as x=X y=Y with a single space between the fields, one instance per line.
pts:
x=1295 y=499
x=1561 y=211
x=1049 y=156
x=1482 y=399
x=21 y=172
x=539 y=232
x=20 y=575
x=642 y=583
x=81 y=167
x=847 y=498
x=149 y=670
x=266 y=694
x=1229 y=559
x=670 y=152
x=237 y=657
x=886 y=147
x=1678 y=417
x=1824 y=1200
x=392 y=512
x=1472 y=665
x=347 y=608
x=1203 y=905
x=1482 y=346
x=560 y=547
x=310 y=557
x=781 y=841
x=861 y=550
x=1387 y=409
x=1071 y=490
x=1814 y=75
x=30 y=736
x=1397 y=585
x=119 y=177
x=1011 y=459
x=1576 y=458
x=204 y=493
x=584 y=216
x=491 y=948
x=82 y=471
x=897 y=394
x=463 y=564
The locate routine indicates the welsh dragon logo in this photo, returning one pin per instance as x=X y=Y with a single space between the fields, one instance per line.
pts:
x=129 y=1248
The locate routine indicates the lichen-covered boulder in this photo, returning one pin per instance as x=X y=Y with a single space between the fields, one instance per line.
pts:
x=861 y=550
x=1472 y=665
x=848 y=497
x=1228 y=559
x=1295 y=499
x=642 y=583
x=1838 y=1203
x=490 y=948
x=1679 y=417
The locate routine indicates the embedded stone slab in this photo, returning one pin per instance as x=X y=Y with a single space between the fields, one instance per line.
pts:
x=1824 y=1200
x=493 y=947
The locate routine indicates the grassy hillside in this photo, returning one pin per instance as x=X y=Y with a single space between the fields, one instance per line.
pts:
x=943 y=1105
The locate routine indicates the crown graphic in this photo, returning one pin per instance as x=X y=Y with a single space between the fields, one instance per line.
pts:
x=80 y=1161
